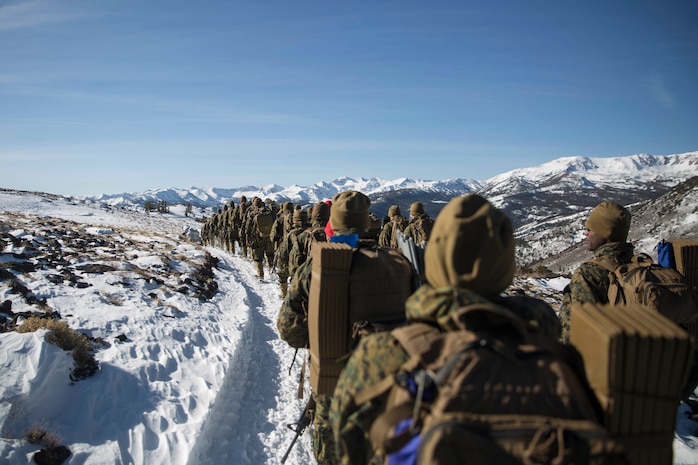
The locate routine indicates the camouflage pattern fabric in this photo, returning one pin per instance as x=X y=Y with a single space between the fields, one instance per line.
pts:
x=300 y=251
x=292 y=321
x=283 y=253
x=377 y=357
x=380 y=355
x=323 y=439
x=412 y=230
x=386 y=237
x=263 y=248
x=277 y=230
x=230 y=231
x=589 y=283
x=241 y=215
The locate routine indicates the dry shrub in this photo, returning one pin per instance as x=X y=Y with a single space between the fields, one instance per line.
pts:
x=38 y=435
x=113 y=299
x=66 y=338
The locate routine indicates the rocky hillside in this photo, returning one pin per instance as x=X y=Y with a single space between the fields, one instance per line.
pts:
x=672 y=215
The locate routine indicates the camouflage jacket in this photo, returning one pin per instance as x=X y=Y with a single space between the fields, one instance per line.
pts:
x=287 y=244
x=385 y=239
x=300 y=251
x=277 y=231
x=411 y=230
x=292 y=321
x=589 y=283
x=380 y=355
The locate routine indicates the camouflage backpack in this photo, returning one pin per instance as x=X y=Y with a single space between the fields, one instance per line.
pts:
x=422 y=228
x=488 y=393
x=302 y=247
x=642 y=282
x=398 y=224
x=240 y=212
x=263 y=221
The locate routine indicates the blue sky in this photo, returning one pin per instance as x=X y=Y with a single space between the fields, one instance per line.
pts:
x=113 y=96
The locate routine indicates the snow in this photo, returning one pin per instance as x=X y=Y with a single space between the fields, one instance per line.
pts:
x=192 y=381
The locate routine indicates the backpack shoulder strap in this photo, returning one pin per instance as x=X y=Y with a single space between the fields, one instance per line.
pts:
x=416 y=338
x=605 y=263
x=413 y=338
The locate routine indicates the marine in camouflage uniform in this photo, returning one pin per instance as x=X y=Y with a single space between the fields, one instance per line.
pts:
x=279 y=230
x=230 y=231
x=259 y=243
x=475 y=267
x=606 y=234
x=300 y=248
x=374 y=229
x=215 y=228
x=282 y=225
x=348 y=215
x=418 y=215
x=240 y=219
x=300 y=224
x=398 y=221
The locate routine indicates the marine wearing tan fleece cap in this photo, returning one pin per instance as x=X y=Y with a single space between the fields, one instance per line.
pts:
x=416 y=208
x=471 y=247
x=610 y=221
x=350 y=211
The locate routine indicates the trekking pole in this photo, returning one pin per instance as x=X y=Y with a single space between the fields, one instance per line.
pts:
x=300 y=426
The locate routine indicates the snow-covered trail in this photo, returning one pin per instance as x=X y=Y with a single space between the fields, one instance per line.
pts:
x=247 y=424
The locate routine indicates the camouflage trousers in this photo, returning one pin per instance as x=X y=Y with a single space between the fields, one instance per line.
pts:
x=323 y=439
x=282 y=273
x=263 y=248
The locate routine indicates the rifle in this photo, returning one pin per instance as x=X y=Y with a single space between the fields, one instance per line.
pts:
x=300 y=426
x=414 y=254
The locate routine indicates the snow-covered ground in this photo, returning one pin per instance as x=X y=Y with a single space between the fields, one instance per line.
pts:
x=183 y=378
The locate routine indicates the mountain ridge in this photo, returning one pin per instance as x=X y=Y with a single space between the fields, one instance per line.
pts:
x=565 y=172
x=546 y=203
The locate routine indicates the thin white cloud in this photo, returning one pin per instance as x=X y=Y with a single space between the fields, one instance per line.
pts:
x=28 y=123
x=660 y=92
x=24 y=15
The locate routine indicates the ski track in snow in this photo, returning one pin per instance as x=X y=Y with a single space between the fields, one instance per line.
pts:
x=247 y=424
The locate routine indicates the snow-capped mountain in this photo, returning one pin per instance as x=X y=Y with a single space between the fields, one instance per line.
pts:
x=308 y=195
x=651 y=174
x=546 y=202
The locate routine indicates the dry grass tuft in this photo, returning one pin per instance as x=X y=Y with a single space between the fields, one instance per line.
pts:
x=113 y=299
x=38 y=435
x=66 y=338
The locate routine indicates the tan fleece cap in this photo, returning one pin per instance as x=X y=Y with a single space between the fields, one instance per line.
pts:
x=394 y=210
x=350 y=211
x=287 y=207
x=299 y=217
x=417 y=208
x=321 y=212
x=610 y=221
x=471 y=247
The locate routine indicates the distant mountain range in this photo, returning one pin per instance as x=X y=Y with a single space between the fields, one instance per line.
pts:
x=547 y=203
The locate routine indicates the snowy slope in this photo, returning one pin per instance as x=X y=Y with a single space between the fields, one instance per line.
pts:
x=183 y=379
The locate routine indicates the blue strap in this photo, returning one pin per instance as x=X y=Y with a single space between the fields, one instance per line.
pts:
x=349 y=239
